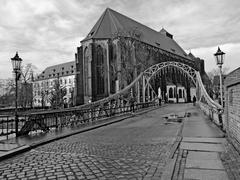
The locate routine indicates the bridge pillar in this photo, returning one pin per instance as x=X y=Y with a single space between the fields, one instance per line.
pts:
x=152 y=95
x=148 y=93
x=138 y=92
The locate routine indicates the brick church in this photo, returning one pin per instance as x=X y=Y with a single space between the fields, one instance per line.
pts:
x=117 y=49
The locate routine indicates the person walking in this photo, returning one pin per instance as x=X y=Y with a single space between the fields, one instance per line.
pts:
x=132 y=101
x=194 y=100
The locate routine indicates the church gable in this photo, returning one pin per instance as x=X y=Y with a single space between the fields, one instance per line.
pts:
x=112 y=23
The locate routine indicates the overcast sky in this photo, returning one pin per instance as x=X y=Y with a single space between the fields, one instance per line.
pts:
x=47 y=32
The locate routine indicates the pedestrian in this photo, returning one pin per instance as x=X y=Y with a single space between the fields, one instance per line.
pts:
x=132 y=100
x=159 y=101
x=194 y=100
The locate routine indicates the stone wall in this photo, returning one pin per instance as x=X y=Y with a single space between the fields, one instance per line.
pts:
x=232 y=104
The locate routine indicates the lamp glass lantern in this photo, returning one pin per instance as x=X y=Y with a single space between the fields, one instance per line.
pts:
x=16 y=62
x=219 y=55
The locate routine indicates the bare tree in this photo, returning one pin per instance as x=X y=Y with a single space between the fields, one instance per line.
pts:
x=57 y=95
x=8 y=98
x=134 y=56
x=215 y=72
x=25 y=90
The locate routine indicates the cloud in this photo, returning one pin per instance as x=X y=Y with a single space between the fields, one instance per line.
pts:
x=47 y=32
x=231 y=57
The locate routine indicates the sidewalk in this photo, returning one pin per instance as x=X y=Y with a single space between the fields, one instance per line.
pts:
x=199 y=154
x=14 y=146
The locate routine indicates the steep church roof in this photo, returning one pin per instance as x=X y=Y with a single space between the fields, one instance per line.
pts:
x=112 y=23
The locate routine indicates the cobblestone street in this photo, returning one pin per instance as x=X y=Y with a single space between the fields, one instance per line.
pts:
x=136 y=148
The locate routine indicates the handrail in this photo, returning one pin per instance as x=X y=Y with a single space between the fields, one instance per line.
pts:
x=208 y=98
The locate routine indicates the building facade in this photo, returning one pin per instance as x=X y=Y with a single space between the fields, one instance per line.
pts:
x=118 y=49
x=232 y=104
x=60 y=77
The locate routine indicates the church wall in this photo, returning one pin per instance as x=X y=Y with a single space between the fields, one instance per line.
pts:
x=123 y=62
x=79 y=88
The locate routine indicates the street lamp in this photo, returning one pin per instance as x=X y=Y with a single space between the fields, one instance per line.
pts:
x=16 y=63
x=219 y=55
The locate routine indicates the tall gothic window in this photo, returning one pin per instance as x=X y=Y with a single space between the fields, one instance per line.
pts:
x=113 y=69
x=100 y=70
x=86 y=76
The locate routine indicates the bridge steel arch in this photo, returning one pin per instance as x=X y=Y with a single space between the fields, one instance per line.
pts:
x=153 y=70
x=205 y=102
x=120 y=102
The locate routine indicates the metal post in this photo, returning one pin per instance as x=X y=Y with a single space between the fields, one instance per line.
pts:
x=138 y=92
x=143 y=89
x=148 y=93
x=16 y=105
x=221 y=93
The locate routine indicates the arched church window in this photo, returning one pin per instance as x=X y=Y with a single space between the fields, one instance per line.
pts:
x=86 y=61
x=170 y=92
x=113 y=68
x=180 y=93
x=100 y=70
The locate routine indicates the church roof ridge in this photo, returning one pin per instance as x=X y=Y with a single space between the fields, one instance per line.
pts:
x=112 y=22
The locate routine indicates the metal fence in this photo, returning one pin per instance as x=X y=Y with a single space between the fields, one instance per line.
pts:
x=72 y=117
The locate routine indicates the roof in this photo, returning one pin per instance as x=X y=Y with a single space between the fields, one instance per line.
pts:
x=191 y=56
x=59 y=70
x=232 y=78
x=112 y=23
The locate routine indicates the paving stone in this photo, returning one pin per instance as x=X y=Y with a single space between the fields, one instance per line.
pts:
x=205 y=174
x=203 y=155
x=204 y=164
x=202 y=147
x=204 y=140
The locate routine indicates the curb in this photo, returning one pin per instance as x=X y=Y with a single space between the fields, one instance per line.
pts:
x=26 y=148
x=169 y=170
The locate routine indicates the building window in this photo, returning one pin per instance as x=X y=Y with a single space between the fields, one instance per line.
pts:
x=170 y=92
x=180 y=93
x=69 y=81
x=65 y=81
x=100 y=70
x=86 y=71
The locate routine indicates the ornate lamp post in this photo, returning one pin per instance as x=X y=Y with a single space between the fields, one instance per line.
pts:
x=219 y=55
x=16 y=63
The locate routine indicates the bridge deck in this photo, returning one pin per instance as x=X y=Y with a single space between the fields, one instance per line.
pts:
x=140 y=147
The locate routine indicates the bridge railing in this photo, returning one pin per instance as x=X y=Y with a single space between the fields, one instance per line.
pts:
x=212 y=109
x=117 y=104
x=45 y=121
